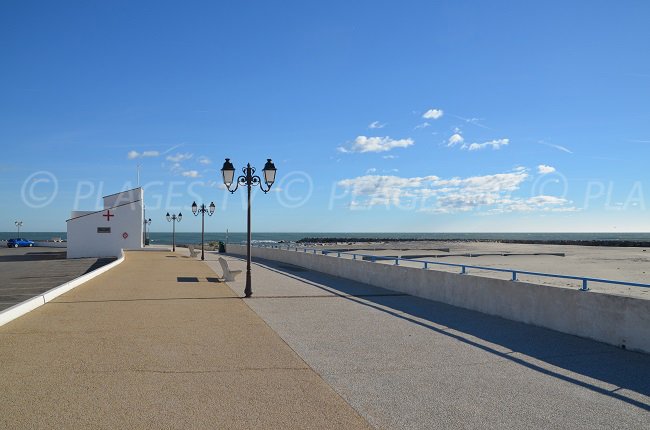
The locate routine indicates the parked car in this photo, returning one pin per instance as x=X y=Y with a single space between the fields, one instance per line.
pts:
x=15 y=243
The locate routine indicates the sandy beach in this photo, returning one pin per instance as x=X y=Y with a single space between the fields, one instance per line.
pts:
x=629 y=264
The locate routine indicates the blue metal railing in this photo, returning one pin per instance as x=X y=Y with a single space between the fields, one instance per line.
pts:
x=463 y=267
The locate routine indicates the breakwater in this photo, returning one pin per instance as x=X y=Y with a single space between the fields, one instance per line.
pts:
x=599 y=242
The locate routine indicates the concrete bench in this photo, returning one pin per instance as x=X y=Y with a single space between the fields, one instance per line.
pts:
x=228 y=275
x=193 y=253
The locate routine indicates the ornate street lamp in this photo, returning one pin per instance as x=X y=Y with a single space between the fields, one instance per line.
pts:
x=196 y=210
x=173 y=219
x=18 y=225
x=248 y=179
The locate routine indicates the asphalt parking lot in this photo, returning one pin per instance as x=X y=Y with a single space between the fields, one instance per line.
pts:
x=28 y=272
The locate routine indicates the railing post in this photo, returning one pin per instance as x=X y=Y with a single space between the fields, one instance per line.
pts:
x=584 y=285
x=426 y=265
x=338 y=254
x=397 y=261
x=463 y=270
x=354 y=256
x=514 y=276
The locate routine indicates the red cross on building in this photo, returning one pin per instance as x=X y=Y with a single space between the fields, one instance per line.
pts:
x=108 y=215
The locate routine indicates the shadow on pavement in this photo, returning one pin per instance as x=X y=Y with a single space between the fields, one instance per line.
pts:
x=548 y=349
x=33 y=256
x=99 y=263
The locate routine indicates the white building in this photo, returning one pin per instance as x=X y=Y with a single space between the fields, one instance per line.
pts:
x=104 y=233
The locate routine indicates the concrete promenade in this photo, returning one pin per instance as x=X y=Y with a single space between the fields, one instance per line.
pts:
x=406 y=362
x=157 y=343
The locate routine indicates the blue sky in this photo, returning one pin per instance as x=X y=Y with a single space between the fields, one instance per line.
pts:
x=380 y=116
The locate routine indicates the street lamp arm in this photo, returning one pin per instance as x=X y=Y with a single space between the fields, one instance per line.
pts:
x=261 y=184
x=240 y=180
x=249 y=181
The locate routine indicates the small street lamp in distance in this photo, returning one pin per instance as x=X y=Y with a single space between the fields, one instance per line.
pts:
x=173 y=219
x=248 y=179
x=146 y=223
x=18 y=224
x=196 y=210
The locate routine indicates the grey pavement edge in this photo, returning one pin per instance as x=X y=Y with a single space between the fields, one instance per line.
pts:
x=406 y=362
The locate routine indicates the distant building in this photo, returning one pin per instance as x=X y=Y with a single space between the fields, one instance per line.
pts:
x=104 y=233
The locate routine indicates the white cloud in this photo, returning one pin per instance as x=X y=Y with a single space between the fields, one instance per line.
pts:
x=204 y=160
x=191 y=174
x=455 y=139
x=371 y=170
x=376 y=144
x=376 y=124
x=558 y=147
x=389 y=157
x=135 y=154
x=494 y=144
x=371 y=190
x=543 y=169
x=473 y=121
x=482 y=194
x=433 y=114
x=179 y=157
x=173 y=147
x=540 y=203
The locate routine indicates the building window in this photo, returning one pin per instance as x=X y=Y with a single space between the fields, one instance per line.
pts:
x=103 y=229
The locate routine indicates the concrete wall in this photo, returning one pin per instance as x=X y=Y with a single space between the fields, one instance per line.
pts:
x=47 y=244
x=616 y=320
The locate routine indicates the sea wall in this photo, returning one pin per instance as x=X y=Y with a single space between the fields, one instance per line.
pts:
x=50 y=244
x=617 y=320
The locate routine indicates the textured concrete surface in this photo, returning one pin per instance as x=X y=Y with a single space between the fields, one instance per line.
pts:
x=157 y=343
x=407 y=362
x=28 y=272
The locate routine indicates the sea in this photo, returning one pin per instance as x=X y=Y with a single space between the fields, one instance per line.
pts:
x=164 y=238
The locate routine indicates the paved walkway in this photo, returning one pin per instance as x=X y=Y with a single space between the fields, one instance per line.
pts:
x=157 y=343
x=405 y=362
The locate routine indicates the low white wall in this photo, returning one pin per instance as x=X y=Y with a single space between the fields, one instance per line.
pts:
x=48 y=244
x=616 y=320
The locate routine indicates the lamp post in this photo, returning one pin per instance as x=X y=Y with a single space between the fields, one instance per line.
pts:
x=248 y=179
x=18 y=225
x=146 y=223
x=173 y=219
x=196 y=210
